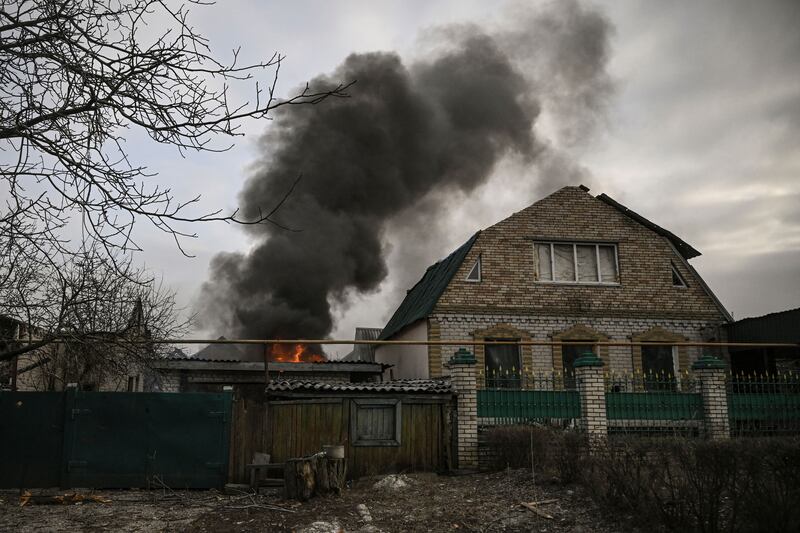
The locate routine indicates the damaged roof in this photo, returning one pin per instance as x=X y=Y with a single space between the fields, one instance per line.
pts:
x=428 y=386
x=685 y=249
x=421 y=299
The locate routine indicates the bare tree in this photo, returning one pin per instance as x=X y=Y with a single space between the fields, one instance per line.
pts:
x=89 y=318
x=75 y=77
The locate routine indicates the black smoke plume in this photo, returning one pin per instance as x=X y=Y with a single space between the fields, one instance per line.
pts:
x=408 y=134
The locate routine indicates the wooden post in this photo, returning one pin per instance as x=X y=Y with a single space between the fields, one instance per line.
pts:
x=266 y=365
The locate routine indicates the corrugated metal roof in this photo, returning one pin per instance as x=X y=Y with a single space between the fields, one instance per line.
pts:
x=421 y=299
x=363 y=352
x=783 y=326
x=429 y=386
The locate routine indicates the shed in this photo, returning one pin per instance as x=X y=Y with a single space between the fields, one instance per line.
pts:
x=396 y=426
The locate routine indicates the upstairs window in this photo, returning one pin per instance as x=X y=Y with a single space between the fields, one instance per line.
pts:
x=475 y=272
x=677 y=279
x=560 y=262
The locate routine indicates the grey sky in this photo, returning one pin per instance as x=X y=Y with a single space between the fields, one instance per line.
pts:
x=700 y=135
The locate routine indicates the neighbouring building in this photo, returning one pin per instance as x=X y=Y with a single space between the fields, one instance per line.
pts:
x=94 y=361
x=782 y=327
x=207 y=375
x=571 y=267
x=363 y=352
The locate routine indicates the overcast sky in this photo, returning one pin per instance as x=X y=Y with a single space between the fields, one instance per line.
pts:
x=701 y=134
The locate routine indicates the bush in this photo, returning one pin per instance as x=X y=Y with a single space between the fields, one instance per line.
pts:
x=688 y=485
x=742 y=485
x=556 y=453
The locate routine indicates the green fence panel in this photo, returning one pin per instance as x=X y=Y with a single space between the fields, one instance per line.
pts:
x=31 y=430
x=654 y=406
x=769 y=406
x=520 y=405
x=114 y=439
x=179 y=440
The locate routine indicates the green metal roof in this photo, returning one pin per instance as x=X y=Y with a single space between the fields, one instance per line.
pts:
x=421 y=299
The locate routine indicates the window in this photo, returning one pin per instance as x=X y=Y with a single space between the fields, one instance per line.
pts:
x=475 y=272
x=502 y=365
x=658 y=366
x=569 y=353
x=576 y=263
x=375 y=422
x=677 y=279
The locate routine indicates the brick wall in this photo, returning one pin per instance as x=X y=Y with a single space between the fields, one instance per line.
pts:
x=541 y=358
x=572 y=214
x=644 y=306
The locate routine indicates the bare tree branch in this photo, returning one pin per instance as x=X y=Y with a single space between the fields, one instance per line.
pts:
x=76 y=76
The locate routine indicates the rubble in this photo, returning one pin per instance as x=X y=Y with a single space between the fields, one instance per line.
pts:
x=393 y=482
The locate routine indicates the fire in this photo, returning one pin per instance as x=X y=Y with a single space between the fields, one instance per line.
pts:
x=298 y=353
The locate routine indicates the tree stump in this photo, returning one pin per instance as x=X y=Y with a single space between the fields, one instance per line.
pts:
x=315 y=475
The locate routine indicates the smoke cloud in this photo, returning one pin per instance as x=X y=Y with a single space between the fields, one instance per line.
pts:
x=410 y=137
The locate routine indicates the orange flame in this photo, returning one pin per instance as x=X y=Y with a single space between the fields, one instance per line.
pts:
x=299 y=353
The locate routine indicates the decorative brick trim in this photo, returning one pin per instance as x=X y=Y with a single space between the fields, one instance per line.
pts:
x=434 y=352
x=502 y=331
x=658 y=334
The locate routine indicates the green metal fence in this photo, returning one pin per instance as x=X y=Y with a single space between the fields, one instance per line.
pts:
x=764 y=404
x=523 y=398
x=653 y=404
x=114 y=439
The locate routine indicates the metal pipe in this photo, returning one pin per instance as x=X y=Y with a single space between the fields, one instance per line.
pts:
x=454 y=342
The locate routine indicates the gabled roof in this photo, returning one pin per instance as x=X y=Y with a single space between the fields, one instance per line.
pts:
x=421 y=299
x=685 y=249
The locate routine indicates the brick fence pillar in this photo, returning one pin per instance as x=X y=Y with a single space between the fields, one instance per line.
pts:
x=462 y=376
x=591 y=387
x=710 y=372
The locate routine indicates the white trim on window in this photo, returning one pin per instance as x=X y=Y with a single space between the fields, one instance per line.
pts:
x=576 y=275
x=681 y=280
x=474 y=274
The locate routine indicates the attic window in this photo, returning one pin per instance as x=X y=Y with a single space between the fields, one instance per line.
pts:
x=475 y=272
x=677 y=279
x=585 y=263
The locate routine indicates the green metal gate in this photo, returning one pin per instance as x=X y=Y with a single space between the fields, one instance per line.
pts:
x=114 y=439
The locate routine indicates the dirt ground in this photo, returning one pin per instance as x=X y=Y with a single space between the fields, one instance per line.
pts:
x=477 y=502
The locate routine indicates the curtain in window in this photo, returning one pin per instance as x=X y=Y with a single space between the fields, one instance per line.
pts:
x=543 y=260
x=587 y=263
x=564 y=262
x=608 y=265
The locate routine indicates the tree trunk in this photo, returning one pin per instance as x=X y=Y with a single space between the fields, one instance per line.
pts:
x=315 y=475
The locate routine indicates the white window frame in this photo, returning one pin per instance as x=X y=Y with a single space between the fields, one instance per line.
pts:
x=575 y=245
x=676 y=272
x=479 y=263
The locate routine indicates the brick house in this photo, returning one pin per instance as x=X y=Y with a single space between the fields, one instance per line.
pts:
x=571 y=267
